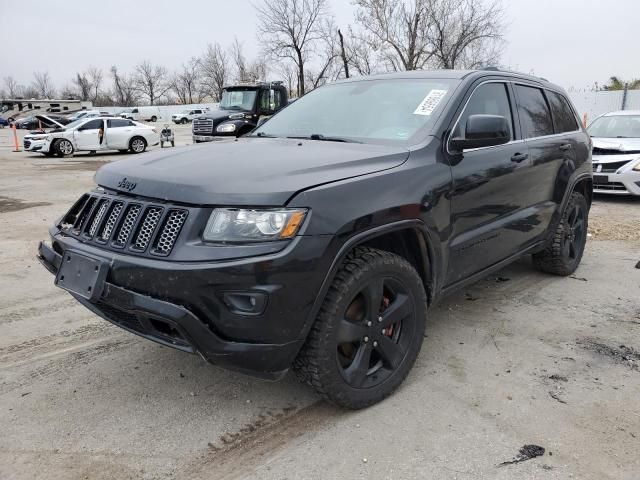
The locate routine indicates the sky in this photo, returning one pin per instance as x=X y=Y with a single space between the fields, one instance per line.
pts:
x=573 y=43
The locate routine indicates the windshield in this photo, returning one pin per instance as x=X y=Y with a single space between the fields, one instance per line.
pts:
x=238 y=100
x=616 y=126
x=75 y=123
x=370 y=111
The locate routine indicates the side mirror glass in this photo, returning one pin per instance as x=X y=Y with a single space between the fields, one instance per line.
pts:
x=483 y=131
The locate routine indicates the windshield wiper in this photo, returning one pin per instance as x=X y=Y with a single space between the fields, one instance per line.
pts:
x=322 y=138
x=262 y=135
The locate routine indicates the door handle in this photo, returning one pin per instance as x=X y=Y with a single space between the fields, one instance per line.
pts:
x=565 y=147
x=519 y=157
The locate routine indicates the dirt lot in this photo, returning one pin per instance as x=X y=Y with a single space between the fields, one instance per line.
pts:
x=520 y=358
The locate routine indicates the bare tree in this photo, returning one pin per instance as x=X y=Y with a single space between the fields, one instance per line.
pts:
x=343 y=55
x=327 y=52
x=151 y=81
x=288 y=72
x=398 y=30
x=290 y=29
x=415 y=34
x=95 y=77
x=13 y=89
x=83 y=86
x=186 y=82
x=239 y=60
x=68 y=92
x=466 y=33
x=124 y=88
x=214 y=71
x=360 y=54
x=43 y=85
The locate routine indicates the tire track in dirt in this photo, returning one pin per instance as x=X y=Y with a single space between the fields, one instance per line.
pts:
x=68 y=361
x=238 y=453
x=28 y=310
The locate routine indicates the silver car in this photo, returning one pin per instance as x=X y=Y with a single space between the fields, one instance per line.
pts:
x=616 y=153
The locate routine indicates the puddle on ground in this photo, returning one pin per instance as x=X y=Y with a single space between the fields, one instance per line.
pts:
x=8 y=204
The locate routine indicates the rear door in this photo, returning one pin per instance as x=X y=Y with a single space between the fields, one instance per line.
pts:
x=552 y=142
x=490 y=219
x=89 y=135
x=118 y=133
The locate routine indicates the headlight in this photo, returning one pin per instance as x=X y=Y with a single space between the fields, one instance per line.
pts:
x=637 y=167
x=236 y=225
x=226 y=128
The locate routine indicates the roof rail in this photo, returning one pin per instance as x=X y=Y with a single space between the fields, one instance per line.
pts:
x=493 y=68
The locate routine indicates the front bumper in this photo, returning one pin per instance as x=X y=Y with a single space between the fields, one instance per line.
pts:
x=625 y=183
x=181 y=305
x=33 y=145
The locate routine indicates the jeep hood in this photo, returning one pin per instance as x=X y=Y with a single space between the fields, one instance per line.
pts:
x=249 y=171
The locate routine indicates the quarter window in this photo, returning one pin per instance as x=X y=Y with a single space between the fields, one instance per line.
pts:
x=487 y=99
x=563 y=116
x=535 y=118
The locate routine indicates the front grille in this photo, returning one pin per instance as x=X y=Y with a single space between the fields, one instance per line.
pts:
x=609 y=167
x=203 y=127
x=610 y=151
x=136 y=226
x=27 y=143
x=611 y=186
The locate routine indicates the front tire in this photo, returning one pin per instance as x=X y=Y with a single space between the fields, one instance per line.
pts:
x=137 y=145
x=154 y=119
x=368 y=332
x=563 y=253
x=63 y=147
x=184 y=121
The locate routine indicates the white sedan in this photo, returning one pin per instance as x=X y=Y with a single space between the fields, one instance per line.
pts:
x=100 y=134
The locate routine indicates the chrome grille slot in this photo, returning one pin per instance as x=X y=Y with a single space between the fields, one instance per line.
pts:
x=70 y=218
x=98 y=215
x=127 y=224
x=116 y=208
x=147 y=227
x=204 y=126
x=169 y=232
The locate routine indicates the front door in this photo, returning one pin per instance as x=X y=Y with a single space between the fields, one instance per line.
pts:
x=489 y=218
x=90 y=136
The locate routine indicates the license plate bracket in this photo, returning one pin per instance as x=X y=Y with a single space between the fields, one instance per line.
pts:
x=600 y=179
x=82 y=274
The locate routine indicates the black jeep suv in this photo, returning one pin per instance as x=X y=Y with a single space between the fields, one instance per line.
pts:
x=320 y=240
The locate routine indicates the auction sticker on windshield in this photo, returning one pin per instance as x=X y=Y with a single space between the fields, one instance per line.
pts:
x=430 y=102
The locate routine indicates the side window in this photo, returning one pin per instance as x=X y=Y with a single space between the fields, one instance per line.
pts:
x=265 y=100
x=488 y=99
x=535 y=118
x=92 y=125
x=277 y=100
x=117 y=123
x=563 y=116
x=131 y=123
x=197 y=112
x=135 y=110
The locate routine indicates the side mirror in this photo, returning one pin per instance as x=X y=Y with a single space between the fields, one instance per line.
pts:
x=483 y=131
x=262 y=120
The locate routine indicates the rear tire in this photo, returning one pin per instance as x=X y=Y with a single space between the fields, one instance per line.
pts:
x=368 y=332
x=154 y=119
x=184 y=121
x=137 y=145
x=563 y=253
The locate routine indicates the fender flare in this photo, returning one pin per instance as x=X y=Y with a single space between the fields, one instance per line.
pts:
x=370 y=234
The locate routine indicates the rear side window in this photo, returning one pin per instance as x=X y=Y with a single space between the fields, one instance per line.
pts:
x=488 y=99
x=116 y=123
x=535 y=118
x=563 y=117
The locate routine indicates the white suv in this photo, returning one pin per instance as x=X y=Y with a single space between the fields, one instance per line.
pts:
x=187 y=116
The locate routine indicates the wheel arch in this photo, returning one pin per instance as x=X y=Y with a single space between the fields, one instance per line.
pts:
x=397 y=237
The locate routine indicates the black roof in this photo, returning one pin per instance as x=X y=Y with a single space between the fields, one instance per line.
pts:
x=456 y=75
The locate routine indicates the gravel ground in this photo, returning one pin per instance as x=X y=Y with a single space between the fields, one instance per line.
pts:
x=520 y=358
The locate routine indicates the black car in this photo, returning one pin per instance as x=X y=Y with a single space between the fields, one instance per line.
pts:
x=241 y=109
x=321 y=240
x=33 y=122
